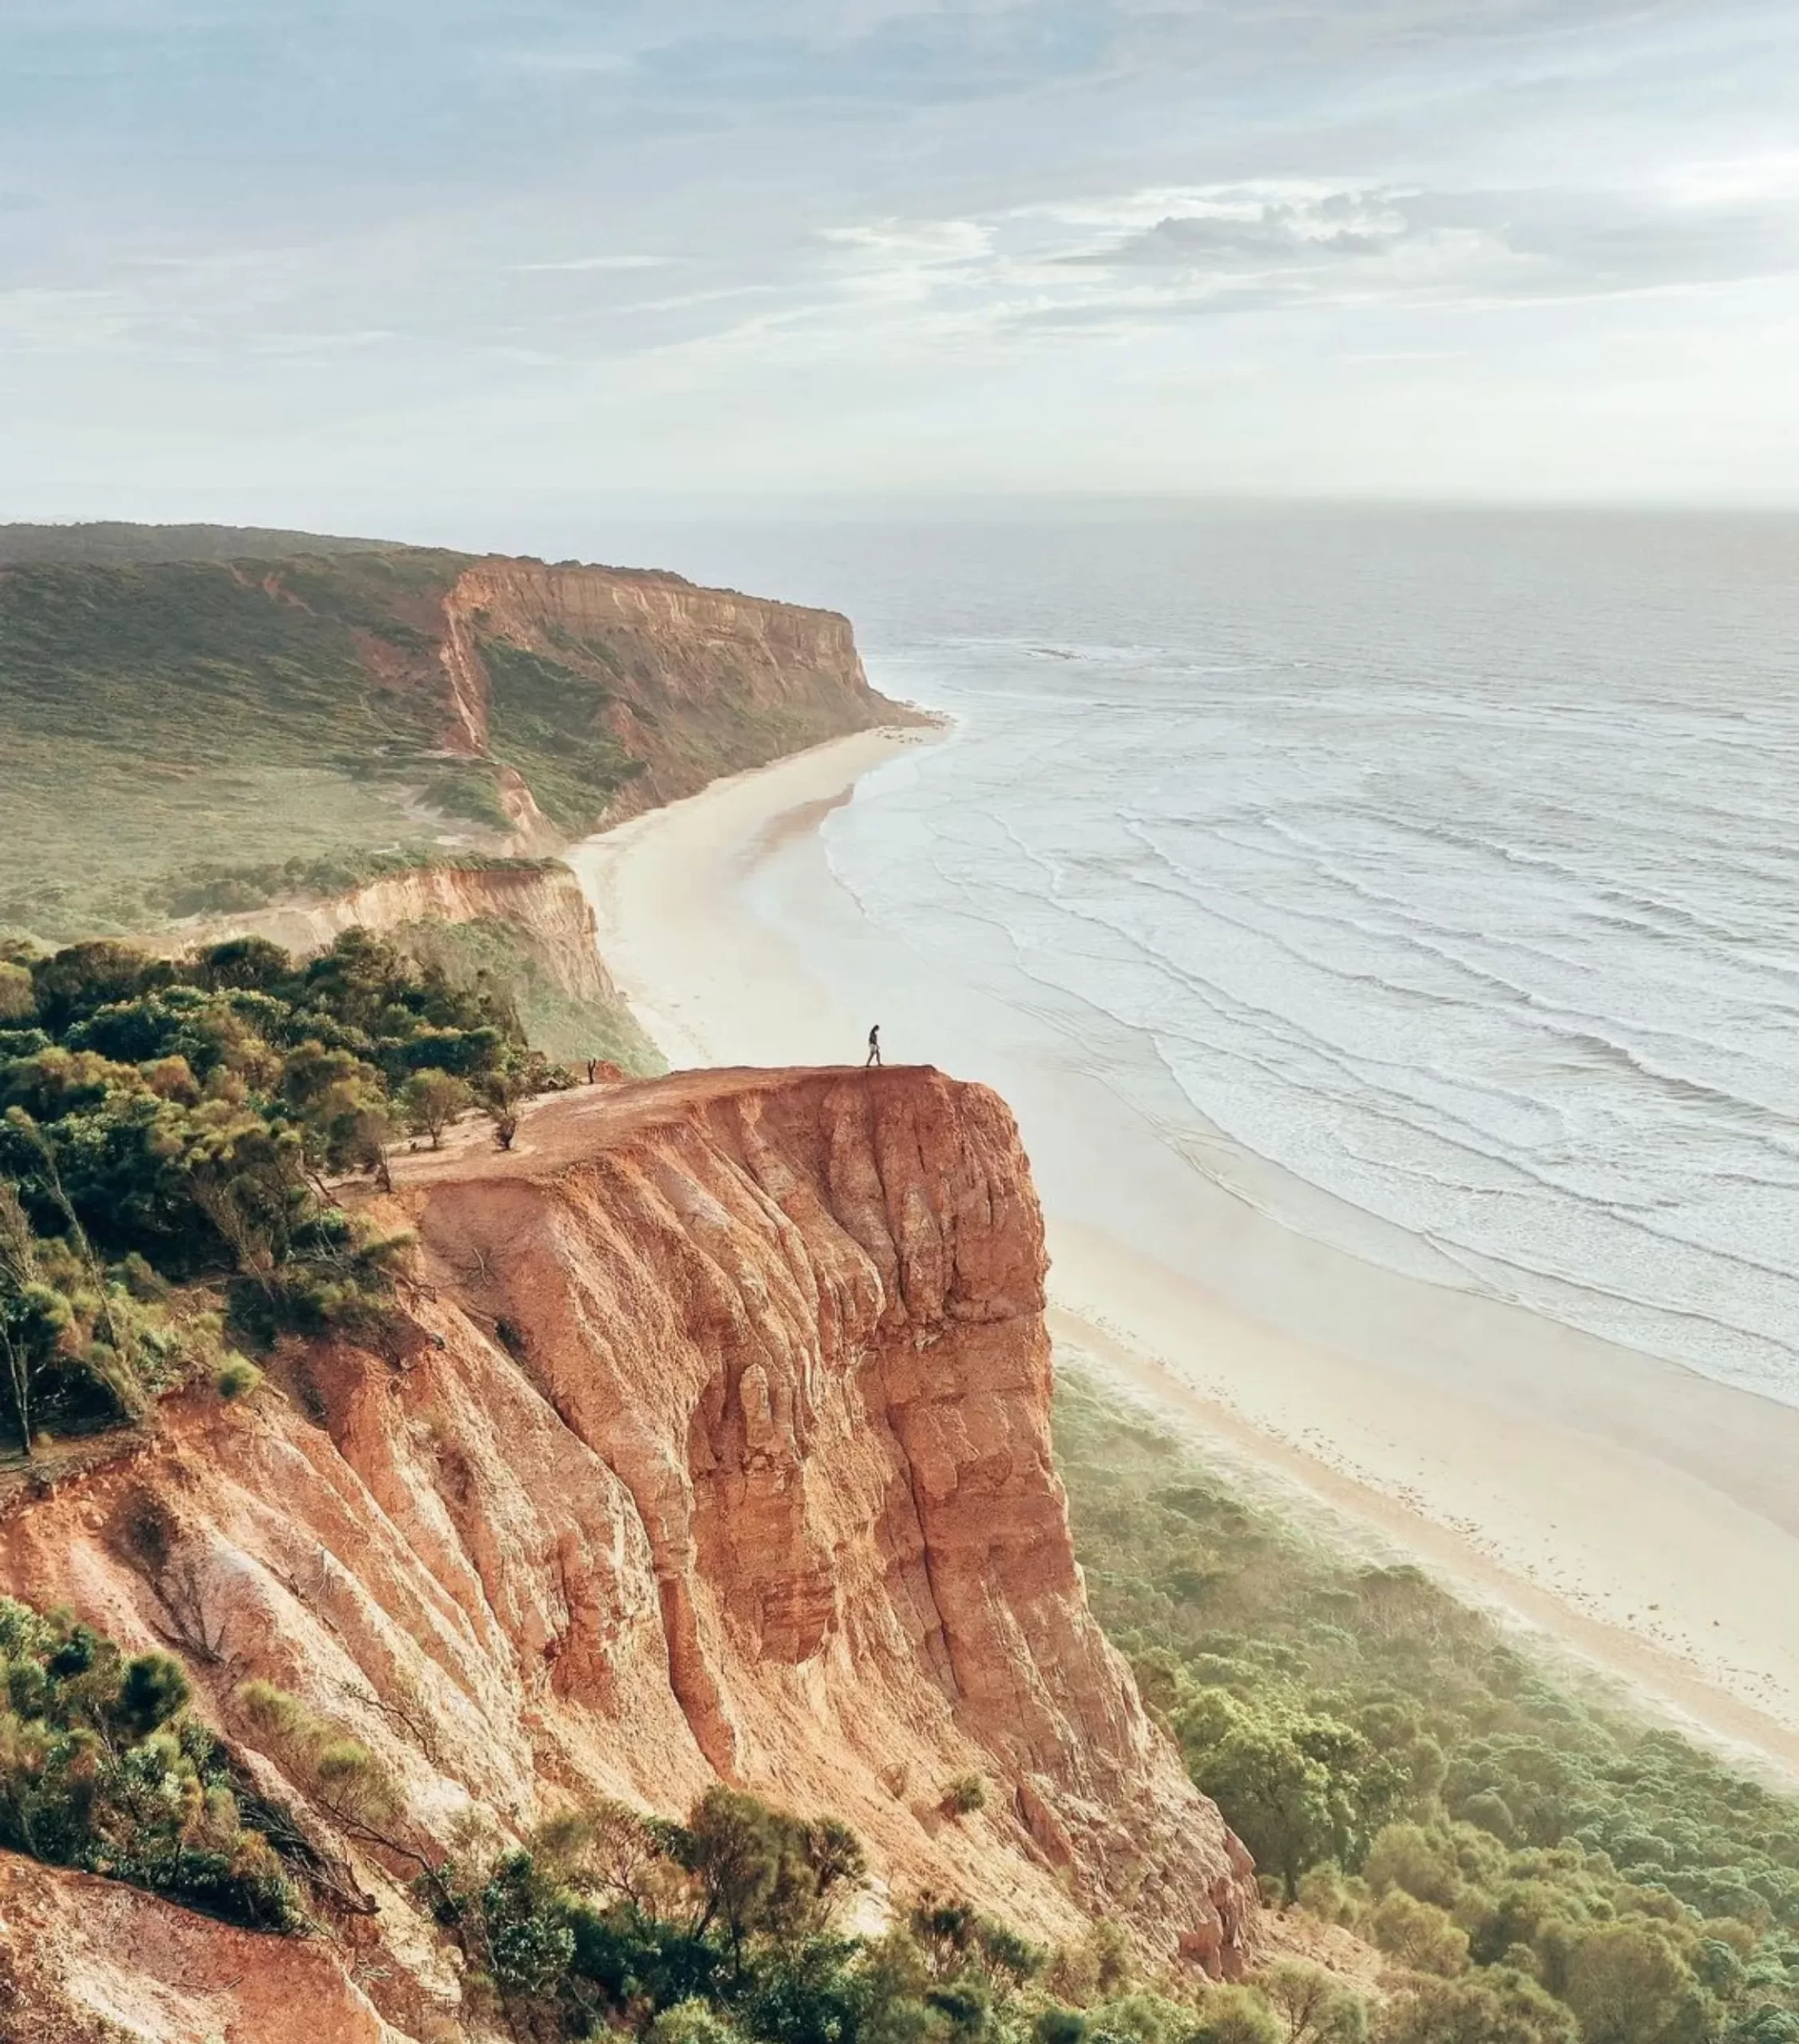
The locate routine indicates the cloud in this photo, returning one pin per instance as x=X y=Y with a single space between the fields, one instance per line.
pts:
x=1478 y=243
x=879 y=210
x=585 y=263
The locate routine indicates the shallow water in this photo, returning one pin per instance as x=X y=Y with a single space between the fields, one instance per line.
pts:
x=1449 y=861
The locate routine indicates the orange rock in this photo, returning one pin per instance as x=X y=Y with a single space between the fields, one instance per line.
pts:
x=732 y=1459
x=84 y=1961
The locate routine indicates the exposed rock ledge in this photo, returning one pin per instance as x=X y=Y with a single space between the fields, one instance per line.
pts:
x=734 y=1460
x=543 y=904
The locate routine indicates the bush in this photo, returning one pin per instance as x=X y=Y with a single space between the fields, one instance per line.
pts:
x=102 y=1768
x=1235 y=2015
x=1312 y=2007
x=238 y=1379
x=338 y=1773
x=693 y=2023
x=964 y=1797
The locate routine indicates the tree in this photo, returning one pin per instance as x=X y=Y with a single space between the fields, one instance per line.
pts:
x=756 y=1870
x=1298 y=1787
x=1419 y=1935
x=244 y=961
x=431 y=1099
x=33 y=1316
x=1496 y=2007
x=501 y=1095
x=69 y=984
x=1315 y=2008
x=1625 y=1985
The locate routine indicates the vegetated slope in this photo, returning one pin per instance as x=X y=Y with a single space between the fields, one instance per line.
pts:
x=710 y=1438
x=182 y=738
x=1537 y=1865
x=114 y=543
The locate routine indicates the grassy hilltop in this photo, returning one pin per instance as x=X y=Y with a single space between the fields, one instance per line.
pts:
x=196 y=721
x=181 y=735
x=112 y=543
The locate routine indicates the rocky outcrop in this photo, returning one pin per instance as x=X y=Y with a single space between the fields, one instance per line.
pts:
x=84 y=1961
x=720 y=1448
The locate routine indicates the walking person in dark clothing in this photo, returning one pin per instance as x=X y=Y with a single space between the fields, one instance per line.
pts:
x=874 y=1046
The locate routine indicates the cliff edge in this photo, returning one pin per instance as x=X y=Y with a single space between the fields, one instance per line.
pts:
x=720 y=1449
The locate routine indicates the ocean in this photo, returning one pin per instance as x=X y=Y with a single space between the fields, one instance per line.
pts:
x=1427 y=878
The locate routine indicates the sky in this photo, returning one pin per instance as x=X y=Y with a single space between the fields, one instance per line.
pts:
x=407 y=265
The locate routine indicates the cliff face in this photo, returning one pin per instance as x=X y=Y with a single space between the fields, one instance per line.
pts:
x=695 y=682
x=245 y=728
x=721 y=1449
x=543 y=904
x=84 y=1961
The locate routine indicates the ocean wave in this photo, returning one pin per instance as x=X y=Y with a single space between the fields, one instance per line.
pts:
x=1502 y=959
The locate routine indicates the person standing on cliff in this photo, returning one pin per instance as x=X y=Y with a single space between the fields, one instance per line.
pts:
x=874 y=1046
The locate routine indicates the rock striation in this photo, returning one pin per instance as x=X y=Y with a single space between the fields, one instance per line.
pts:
x=719 y=1448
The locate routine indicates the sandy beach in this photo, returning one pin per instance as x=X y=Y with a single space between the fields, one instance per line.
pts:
x=1638 y=1515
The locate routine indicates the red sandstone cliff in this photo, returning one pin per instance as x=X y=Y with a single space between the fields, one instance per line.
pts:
x=698 y=682
x=692 y=683
x=722 y=1449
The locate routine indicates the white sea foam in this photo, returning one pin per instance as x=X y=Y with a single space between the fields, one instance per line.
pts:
x=1449 y=861
x=1487 y=925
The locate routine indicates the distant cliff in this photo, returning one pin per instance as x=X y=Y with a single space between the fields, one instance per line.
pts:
x=720 y=1448
x=192 y=737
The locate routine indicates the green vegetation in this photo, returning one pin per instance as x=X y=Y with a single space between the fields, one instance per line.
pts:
x=725 y=1928
x=112 y=543
x=964 y=1795
x=224 y=725
x=246 y=729
x=102 y=1767
x=546 y=719
x=558 y=1023
x=1554 y=1872
x=169 y=1134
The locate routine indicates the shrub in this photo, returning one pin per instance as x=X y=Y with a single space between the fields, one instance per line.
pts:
x=237 y=1379
x=964 y=1796
x=693 y=2023
x=102 y=1768
x=1235 y=2015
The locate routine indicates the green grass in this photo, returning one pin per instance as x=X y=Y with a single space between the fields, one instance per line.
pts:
x=112 y=543
x=154 y=721
x=545 y=719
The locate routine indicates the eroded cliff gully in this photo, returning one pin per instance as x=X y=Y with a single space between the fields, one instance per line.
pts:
x=720 y=1447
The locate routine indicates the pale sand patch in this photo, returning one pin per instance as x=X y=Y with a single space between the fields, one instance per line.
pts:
x=1641 y=1514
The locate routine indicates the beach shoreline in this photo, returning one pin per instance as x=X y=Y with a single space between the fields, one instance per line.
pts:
x=1638 y=1515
